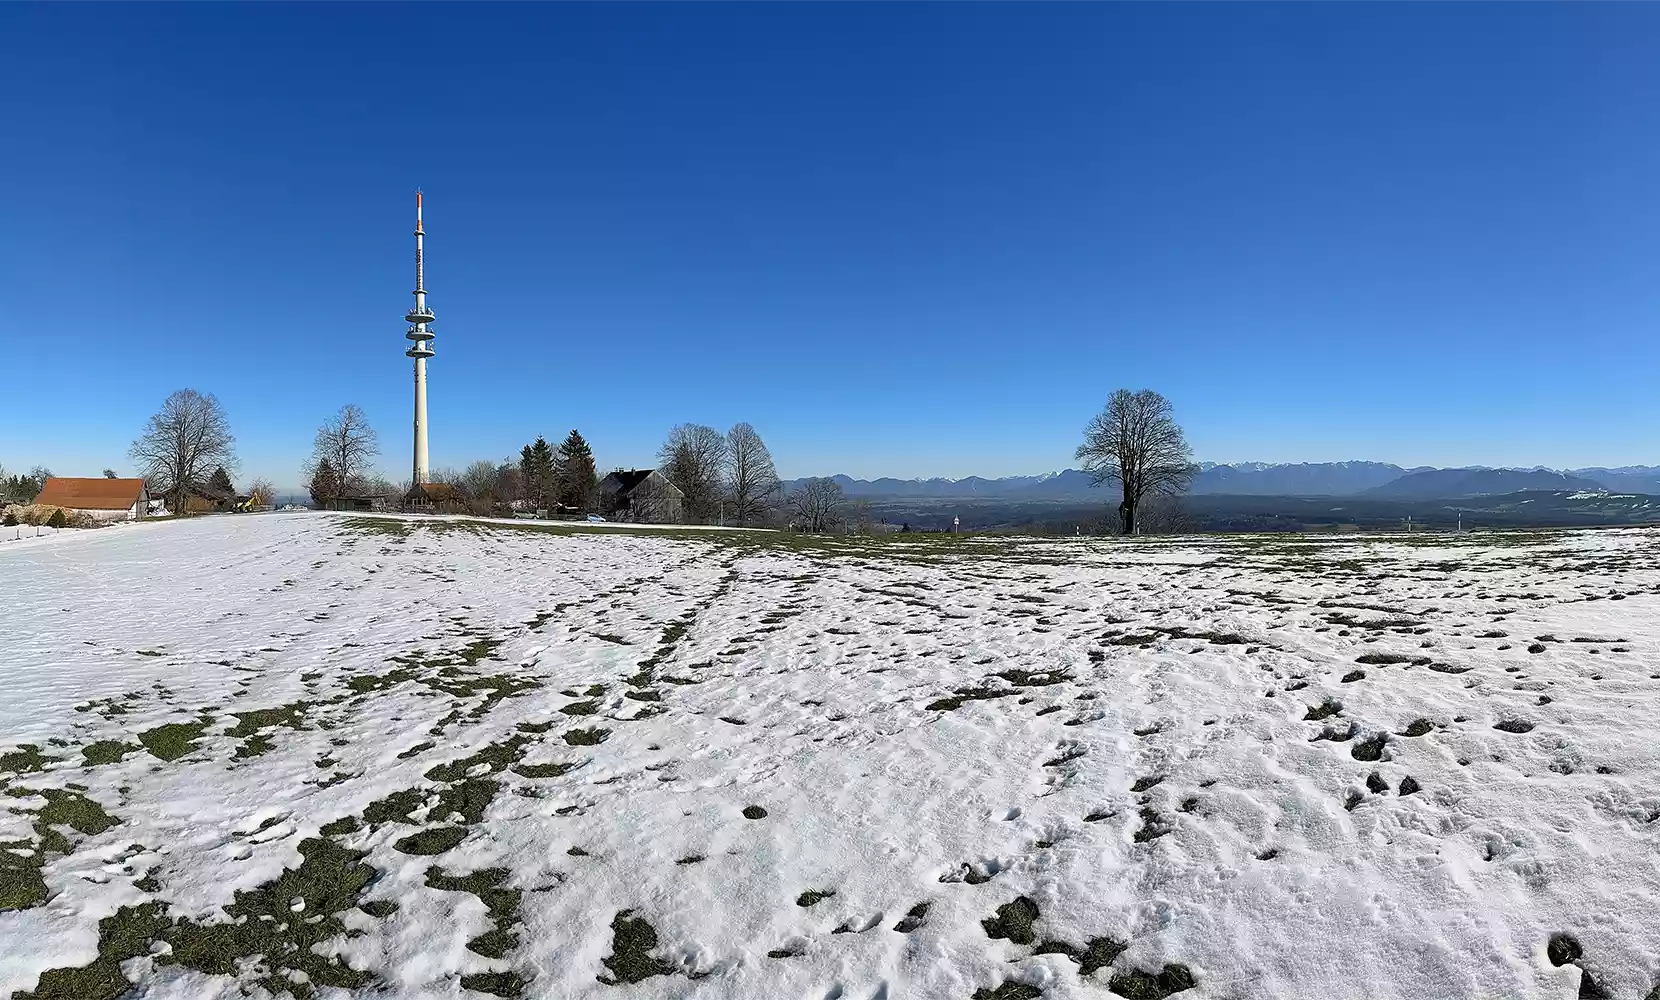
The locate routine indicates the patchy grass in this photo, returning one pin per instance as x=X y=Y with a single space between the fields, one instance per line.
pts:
x=431 y=842
x=552 y=770
x=123 y=935
x=502 y=904
x=21 y=884
x=174 y=740
x=26 y=759
x=266 y=922
x=468 y=799
x=1325 y=710
x=1009 y=991
x=965 y=695
x=394 y=808
x=912 y=919
x=1098 y=953
x=250 y=726
x=1138 y=985
x=1013 y=921
x=501 y=984
x=632 y=941
x=494 y=757
x=106 y=752
x=1418 y=727
x=74 y=810
x=1153 y=826
x=1385 y=659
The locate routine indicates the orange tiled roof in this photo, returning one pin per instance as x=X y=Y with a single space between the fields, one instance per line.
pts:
x=90 y=494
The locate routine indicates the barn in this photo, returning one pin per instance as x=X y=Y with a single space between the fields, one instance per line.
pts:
x=104 y=499
x=642 y=495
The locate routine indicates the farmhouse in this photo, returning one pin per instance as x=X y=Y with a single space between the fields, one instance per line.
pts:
x=210 y=499
x=439 y=498
x=360 y=501
x=641 y=495
x=104 y=499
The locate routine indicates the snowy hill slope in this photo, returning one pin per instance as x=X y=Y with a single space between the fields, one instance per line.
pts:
x=449 y=759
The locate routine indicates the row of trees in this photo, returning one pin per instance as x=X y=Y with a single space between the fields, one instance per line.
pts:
x=559 y=478
x=1134 y=443
x=23 y=487
x=553 y=480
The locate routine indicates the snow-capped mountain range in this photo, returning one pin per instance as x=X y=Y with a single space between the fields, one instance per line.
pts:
x=1374 y=479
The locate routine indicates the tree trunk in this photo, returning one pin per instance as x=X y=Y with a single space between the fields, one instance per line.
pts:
x=1126 y=513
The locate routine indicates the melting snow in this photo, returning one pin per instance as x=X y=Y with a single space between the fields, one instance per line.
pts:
x=1310 y=767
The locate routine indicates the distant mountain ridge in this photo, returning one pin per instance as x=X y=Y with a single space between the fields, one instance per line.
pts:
x=1436 y=484
x=1302 y=479
x=1373 y=479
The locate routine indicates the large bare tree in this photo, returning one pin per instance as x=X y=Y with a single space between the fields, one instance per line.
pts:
x=817 y=504
x=349 y=445
x=692 y=459
x=752 y=485
x=183 y=443
x=1136 y=443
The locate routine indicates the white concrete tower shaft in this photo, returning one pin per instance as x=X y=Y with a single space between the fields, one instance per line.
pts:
x=420 y=319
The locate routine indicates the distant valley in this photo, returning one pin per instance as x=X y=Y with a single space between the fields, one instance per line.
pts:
x=1379 y=480
x=1256 y=496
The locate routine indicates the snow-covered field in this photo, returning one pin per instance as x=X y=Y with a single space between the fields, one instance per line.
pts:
x=322 y=754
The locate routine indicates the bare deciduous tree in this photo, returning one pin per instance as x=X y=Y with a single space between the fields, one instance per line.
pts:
x=817 y=504
x=864 y=521
x=752 y=485
x=349 y=444
x=1164 y=515
x=262 y=492
x=1136 y=443
x=692 y=459
x=479 y=480
x=183 y=443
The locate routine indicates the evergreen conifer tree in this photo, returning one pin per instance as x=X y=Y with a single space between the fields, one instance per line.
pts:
x=537 y=465
x=325 y=485
x=578 y=481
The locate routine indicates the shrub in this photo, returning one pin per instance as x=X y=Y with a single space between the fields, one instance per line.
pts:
x=9 y=519
x=57 y=520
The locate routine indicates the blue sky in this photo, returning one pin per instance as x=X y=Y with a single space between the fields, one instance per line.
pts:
x=903 y=240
